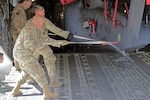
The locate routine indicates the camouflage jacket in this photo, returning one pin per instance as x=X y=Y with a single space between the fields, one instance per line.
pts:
x=48 y=25
x=18 y=19
x=32 y=38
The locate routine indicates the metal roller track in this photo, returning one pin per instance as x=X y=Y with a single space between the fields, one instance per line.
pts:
x=92 y=77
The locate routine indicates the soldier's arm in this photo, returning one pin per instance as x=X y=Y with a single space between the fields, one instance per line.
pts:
x=50 y=26
x=45 y=40
x=32 y=41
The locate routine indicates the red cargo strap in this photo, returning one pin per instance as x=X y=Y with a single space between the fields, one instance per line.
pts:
x=92 y=23
x=66 y=2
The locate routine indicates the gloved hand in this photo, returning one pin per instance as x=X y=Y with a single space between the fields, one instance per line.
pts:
x=70 y=36
x=64 y=42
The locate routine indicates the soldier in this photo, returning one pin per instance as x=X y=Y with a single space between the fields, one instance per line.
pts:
x=46 y=52
x=18 y=20
x=31 y=43
x=1 y=57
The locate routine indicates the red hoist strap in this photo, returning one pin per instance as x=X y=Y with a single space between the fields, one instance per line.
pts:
x=107 y=15
x=127 y=9
x=115 y=20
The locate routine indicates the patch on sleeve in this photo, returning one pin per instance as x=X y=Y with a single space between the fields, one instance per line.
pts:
x=17 y=13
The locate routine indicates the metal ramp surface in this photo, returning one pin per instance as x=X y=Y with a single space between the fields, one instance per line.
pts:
x=93 y=76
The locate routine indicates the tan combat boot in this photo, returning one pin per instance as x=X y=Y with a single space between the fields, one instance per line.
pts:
x=53 y=82
x=16 y=91
x=48 y=94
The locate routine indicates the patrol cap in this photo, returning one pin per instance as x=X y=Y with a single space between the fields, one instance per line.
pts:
x=38 y=7
x=39 y=10
x=24 y=0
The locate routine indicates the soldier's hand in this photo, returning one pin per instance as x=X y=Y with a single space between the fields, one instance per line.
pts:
x=64 y=42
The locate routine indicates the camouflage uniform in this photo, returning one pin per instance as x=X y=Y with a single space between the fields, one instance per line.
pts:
x=46 y=52
x=18 y=20
x=29 y=45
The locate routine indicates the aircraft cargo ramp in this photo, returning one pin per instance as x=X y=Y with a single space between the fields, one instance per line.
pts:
x=91 y=76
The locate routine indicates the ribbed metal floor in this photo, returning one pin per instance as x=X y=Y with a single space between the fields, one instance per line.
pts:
x=92 y=77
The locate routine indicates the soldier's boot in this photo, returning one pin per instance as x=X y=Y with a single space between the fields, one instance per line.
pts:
x=53 y=82
x=17 y=66
x=16 y=91
x=48 y=94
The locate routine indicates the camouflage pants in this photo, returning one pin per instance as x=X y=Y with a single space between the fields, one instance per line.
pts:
x=49 y=59
x=32 y=68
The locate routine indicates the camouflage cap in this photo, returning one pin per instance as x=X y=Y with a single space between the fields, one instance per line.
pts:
x=20 y=1
x=38 y=7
